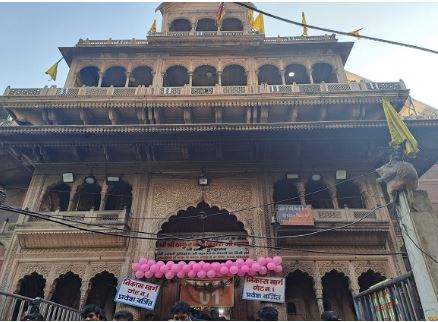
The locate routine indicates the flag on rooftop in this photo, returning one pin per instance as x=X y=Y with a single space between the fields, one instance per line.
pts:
x=153 y=27
x=53 y=70
x=220 y=13
x=398 y=130
x=304 y=22
x=259 y=23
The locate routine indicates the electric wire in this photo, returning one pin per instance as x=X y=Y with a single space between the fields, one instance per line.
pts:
x=337 y=31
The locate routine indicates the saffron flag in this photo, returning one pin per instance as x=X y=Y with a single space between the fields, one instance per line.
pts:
x=304 y=22
x=259 y=23
x=356 y=33
x=53 y=71
x=398 y=130
x=220 y=13
x=250 y=17
x=153 y=27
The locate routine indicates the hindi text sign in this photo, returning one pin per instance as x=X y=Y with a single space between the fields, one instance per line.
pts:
x=266 y=289
x=137 y=293
x=295 y=215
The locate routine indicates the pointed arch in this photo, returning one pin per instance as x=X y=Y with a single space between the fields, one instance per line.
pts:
x=368 y=279
x=67 y=290
x=57 y=196
x=300 y=297
x=87 y=197
x=119 y=196
x=101 y=292
x=337 y=294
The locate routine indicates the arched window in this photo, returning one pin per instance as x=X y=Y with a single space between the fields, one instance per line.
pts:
x=103 y=287
x=368 y=279
x=176 y=76
x=32 y=286
x=270 y=75
x=141 y=75
x=114 y=76
x=296 y=73
x=57 y=196
x=300 y=297
x=317 y=195
x=206 y=24
x=204 y=75
x=286 y=193
x=337 y=295
x=349 y=195
x=323 y=72
x=231 y=24
x=88 y=196
x=67 y=290
x=180 y=25
x=119 y=196
x=88 y=76
x=234 y=75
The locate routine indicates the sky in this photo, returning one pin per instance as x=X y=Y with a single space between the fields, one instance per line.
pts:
x=31 y=32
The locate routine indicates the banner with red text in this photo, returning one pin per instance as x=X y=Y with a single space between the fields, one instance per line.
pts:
x=137 y=293
x=266 y=289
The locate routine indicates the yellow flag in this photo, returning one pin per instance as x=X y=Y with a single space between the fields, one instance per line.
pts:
x=153 y=27
x=356 y=33
x=304 y=22
x=399 y=131
x=250 y=17
x=259 y=24
x=53 y=71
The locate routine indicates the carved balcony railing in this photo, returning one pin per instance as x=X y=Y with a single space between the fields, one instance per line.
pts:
x=87 y=229
x=142 y=91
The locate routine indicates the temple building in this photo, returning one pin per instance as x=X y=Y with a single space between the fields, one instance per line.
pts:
x=201 y=130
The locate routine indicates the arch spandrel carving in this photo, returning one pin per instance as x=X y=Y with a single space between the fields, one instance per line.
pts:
x=305 y=267
x=27 y=269
x=113 y=268
x=381 y=267
x=325 y=267
x=75 y=269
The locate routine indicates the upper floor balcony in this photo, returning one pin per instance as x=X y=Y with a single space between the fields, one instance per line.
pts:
x=42 y=233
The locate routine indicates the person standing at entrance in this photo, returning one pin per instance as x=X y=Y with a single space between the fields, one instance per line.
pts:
x=267 y=313
x=181 y=312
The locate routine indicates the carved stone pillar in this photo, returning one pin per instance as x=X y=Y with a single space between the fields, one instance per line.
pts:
x=219 y=77
x=128 y=74
x=73 y=191
x=190 y=78
x=103 y=196
x=301 y=192
x=309 y=73
x=283 y=79
x=354 y=283
x=99 y=83
x=318 y=288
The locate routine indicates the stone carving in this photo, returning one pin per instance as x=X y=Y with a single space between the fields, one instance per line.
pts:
x=327 y=266
x=361 y=267
x=398 y=176
x=306 y=267
x=113 y=268
x=75 y=269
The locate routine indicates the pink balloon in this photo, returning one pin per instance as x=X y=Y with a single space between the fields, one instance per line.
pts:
x=234 y=270
x=180 y=274
x=252 y=272
x=181 y=263
x=170 y=263
x=206 y=267
x=164 y=269
x=154 y=268
x=278 y=269
x=249 y=261
x=271 y=266
x=196 y=267
x=160 y=263
x=240 y=273
x=143 y=260
x=191 y=274
x=255 y=267
x=277 y=260
x=240 y=262
x=175 y=268
x=224 y=270
x=150 y=262
x=169 y=275
x=186 y=268
x=244 y=269
x=263 y=270
x=201 y=274
x=229 y=263
x=261 y=261
x=148 y=274
x=192 y=262
x=139 y=274
x=144 y=267
x=211 y=273
x=135 y=266
x=158 y=274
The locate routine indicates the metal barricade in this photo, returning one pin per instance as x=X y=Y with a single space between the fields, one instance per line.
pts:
x=14 y=307
x=393 y=300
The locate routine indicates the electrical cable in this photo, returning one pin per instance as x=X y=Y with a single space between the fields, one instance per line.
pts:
x=337 y=31
x=31 y=214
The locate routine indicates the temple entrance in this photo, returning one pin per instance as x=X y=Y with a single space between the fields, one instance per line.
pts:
x=67 y=290
x=102 y=290
x=32 y=286
x=300 y=297
x=203 y=223
x=337 y=295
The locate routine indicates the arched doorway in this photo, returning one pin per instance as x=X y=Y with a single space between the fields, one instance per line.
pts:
x=103 y=287
x=234 y=75
x=204 y=75
x=114 y=76
x=180 y=25
x=56 y=197
x=87 y=197
x=337 y=295
x=368 y=279
x=88 y=76
x=295 y=73
x=323 y=72
x=348 y=195
x=317 y=194
x=300 y=297
x=201 y=222
x=32 y=286
x=67 y=290
x=176 y=76
x=206 y=24
x=141 y=75
x=119 y=196
x=269 y=74
x=286 y=192
x=231 y=24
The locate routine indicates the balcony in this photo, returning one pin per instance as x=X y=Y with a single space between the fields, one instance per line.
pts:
x=40 y=233
x=141 y=91
x=371 y=231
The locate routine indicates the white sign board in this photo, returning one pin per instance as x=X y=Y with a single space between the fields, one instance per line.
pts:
x=266 y=289
x=137 y=293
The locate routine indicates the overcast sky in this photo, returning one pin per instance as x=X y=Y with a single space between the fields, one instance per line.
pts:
x=31 y=32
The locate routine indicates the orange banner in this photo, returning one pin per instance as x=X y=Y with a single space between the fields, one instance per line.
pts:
x=212 y=292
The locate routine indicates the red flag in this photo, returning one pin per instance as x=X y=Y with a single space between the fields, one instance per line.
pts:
x=220 y=13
